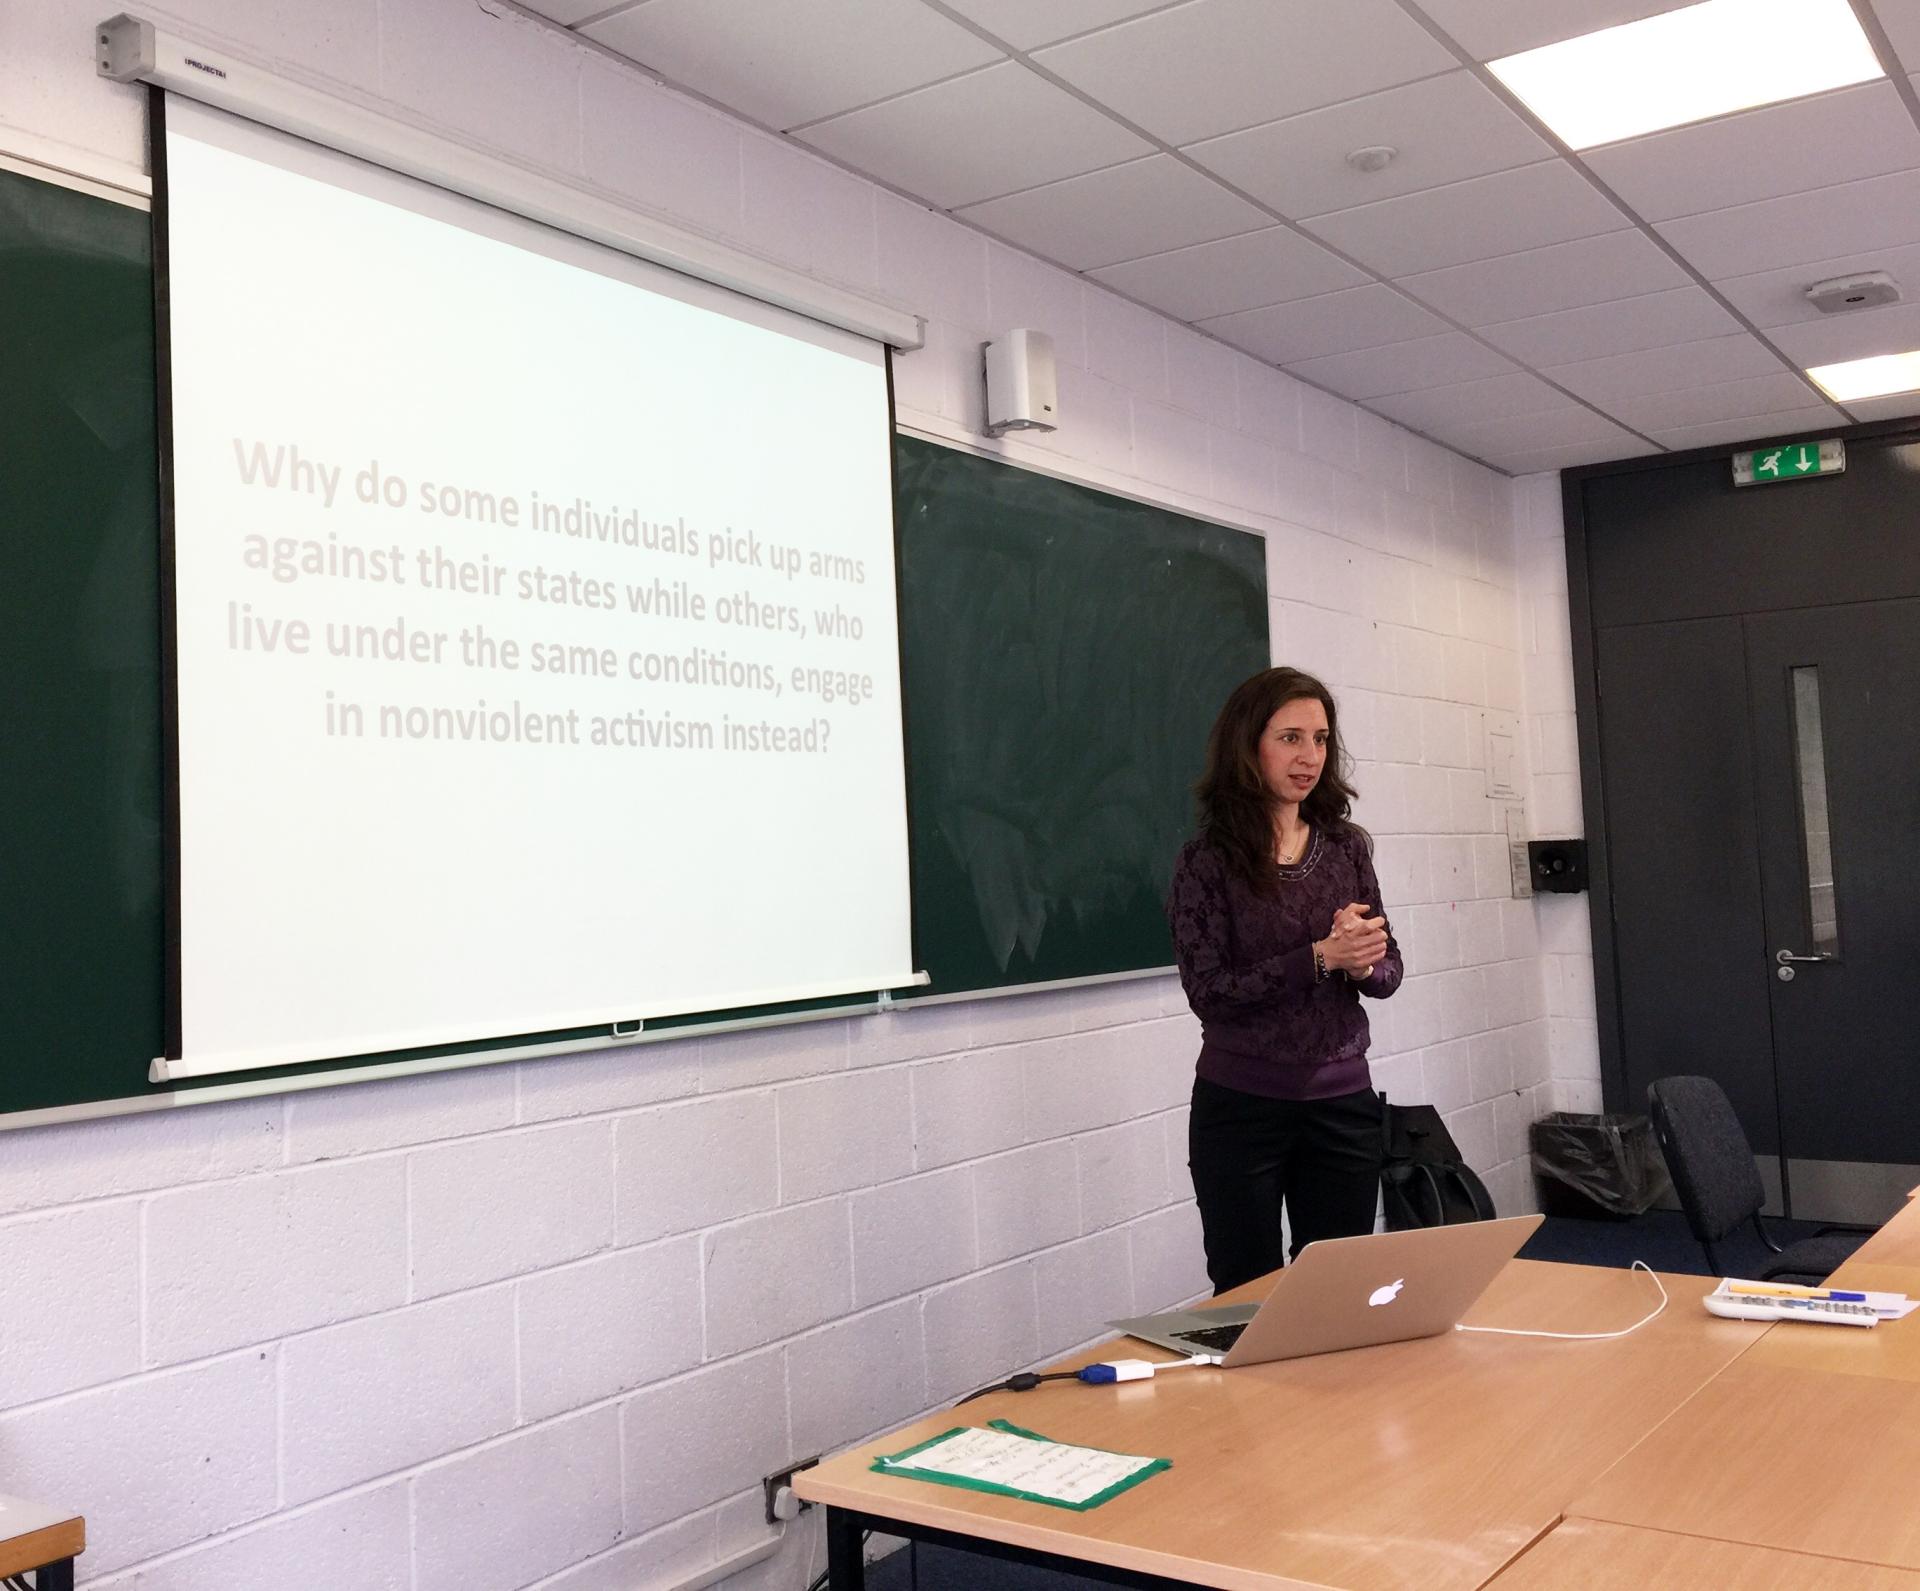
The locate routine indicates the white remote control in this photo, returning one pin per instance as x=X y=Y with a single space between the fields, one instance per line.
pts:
x=1763 y=1306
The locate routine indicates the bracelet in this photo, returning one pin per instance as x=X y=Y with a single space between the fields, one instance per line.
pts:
x=1319 y=965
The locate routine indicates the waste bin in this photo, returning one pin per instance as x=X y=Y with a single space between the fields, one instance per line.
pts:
x=1597 y=1168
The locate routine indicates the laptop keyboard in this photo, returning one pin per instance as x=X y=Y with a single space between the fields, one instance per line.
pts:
x=1212 y=1339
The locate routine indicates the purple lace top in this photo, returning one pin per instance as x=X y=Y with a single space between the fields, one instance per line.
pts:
x=1246 y=961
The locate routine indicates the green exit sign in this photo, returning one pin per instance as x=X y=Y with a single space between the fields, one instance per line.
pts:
x=1794 y=462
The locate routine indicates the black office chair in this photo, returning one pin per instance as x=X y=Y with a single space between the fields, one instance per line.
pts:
x=1718 y=1183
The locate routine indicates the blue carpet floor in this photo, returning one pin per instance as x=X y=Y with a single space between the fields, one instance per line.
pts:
x=1660 y=1237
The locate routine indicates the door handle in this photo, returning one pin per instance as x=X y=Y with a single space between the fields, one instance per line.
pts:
x=1786 y=957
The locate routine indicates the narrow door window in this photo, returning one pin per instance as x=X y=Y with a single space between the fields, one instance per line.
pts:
x=1811 y=753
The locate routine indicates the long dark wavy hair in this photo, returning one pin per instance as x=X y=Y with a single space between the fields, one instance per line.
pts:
x=1236 y=807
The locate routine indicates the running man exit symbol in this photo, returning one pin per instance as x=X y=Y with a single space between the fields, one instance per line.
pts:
x=1793 y=462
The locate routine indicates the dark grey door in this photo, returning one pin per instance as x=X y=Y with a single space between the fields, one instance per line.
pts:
x=1835 y=713
x=1688 y=934
x=1763 y=800
x=1712 y=624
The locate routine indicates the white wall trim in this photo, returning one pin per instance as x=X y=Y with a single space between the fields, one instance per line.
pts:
x=52 y=161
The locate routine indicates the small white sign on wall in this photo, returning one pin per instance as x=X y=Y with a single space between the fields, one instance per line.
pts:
x=1519 y=868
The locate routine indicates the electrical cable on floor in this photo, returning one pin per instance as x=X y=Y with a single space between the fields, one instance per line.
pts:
x=1584 y=1336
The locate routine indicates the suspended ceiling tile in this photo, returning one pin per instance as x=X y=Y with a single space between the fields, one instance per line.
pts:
x=1489 y=29
x=1117 y=214
x=1214 y=66
x=1255 y=269
x=1566 y=458
x=1895 y=407
x=1403 y=367
x=1901 y=18
x=1478 y=219
x=797 y=61
x=566 y=12
x=1727 y=400
x=1755 y=429
x=1666 y=369
x=1834 y=338
x=1779 y=298
x=1566 y=427
x=1445 y=128
x=975 y=137
x=1471 y=402
x=1681 y=314
x=1848 y=218
x=1333 y=323
x=1592 y=270
x=1026 y=26
x=1851 y=133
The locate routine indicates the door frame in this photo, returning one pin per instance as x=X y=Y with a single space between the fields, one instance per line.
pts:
x=1586 y=700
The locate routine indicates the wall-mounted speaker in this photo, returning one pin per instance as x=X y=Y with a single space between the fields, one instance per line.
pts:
x=1022 y=391
x=1558 y=867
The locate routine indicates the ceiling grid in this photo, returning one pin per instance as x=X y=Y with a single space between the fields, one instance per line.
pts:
x=1524 y=303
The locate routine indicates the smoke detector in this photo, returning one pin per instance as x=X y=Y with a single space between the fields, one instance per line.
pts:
x=1838 y=294
x=1375 y=157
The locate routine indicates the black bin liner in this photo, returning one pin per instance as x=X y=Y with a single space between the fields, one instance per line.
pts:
x=1597 y=1167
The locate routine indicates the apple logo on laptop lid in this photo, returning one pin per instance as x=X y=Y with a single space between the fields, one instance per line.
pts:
x=1387 y=1294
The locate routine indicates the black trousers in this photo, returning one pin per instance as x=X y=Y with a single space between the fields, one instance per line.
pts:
x=1251 y=1155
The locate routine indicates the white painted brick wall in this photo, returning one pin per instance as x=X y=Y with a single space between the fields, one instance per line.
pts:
x=509 y=1203
x=848 y=1378
x=547 y=1324
x=387 y=1392
x=690 y=1442
x=691 y=1165
x=498 y=1516
x=239 y=1262
x=361 y=1538
x=773 y=1275
x=76 y=1265
x=1562 y=926
x=160 y=1459
x=596 y=1329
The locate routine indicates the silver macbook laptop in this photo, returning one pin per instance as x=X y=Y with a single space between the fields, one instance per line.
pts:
x=1349 y=1292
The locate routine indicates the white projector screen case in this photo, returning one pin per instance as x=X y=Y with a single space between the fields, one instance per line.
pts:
x=535 y=624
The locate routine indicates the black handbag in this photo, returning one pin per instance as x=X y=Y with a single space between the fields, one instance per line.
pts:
x=1423 y=1180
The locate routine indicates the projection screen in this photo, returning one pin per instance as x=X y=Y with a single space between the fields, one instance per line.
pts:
x=534 y=622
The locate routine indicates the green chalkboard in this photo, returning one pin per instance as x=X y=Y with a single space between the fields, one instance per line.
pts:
x=1063 y=653
x=80 y=815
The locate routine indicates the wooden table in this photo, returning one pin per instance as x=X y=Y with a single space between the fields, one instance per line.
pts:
x=43 y=1540
x=1896 y=1243
x=1601 y=1557
x=1809 y=1443
x=1425 y=1464
x=1804 y=1460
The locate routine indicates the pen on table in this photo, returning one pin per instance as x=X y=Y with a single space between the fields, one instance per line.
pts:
x=1754 y=1291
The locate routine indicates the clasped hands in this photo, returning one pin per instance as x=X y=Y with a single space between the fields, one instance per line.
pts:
x=1356 y=943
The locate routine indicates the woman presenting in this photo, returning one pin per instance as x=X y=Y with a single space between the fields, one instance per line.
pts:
x=1278 y=929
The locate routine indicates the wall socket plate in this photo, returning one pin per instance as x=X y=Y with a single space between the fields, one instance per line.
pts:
x=781 y=1480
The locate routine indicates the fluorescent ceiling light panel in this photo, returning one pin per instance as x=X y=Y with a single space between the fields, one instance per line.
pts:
x=1688 y=66
x=1878 y=377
